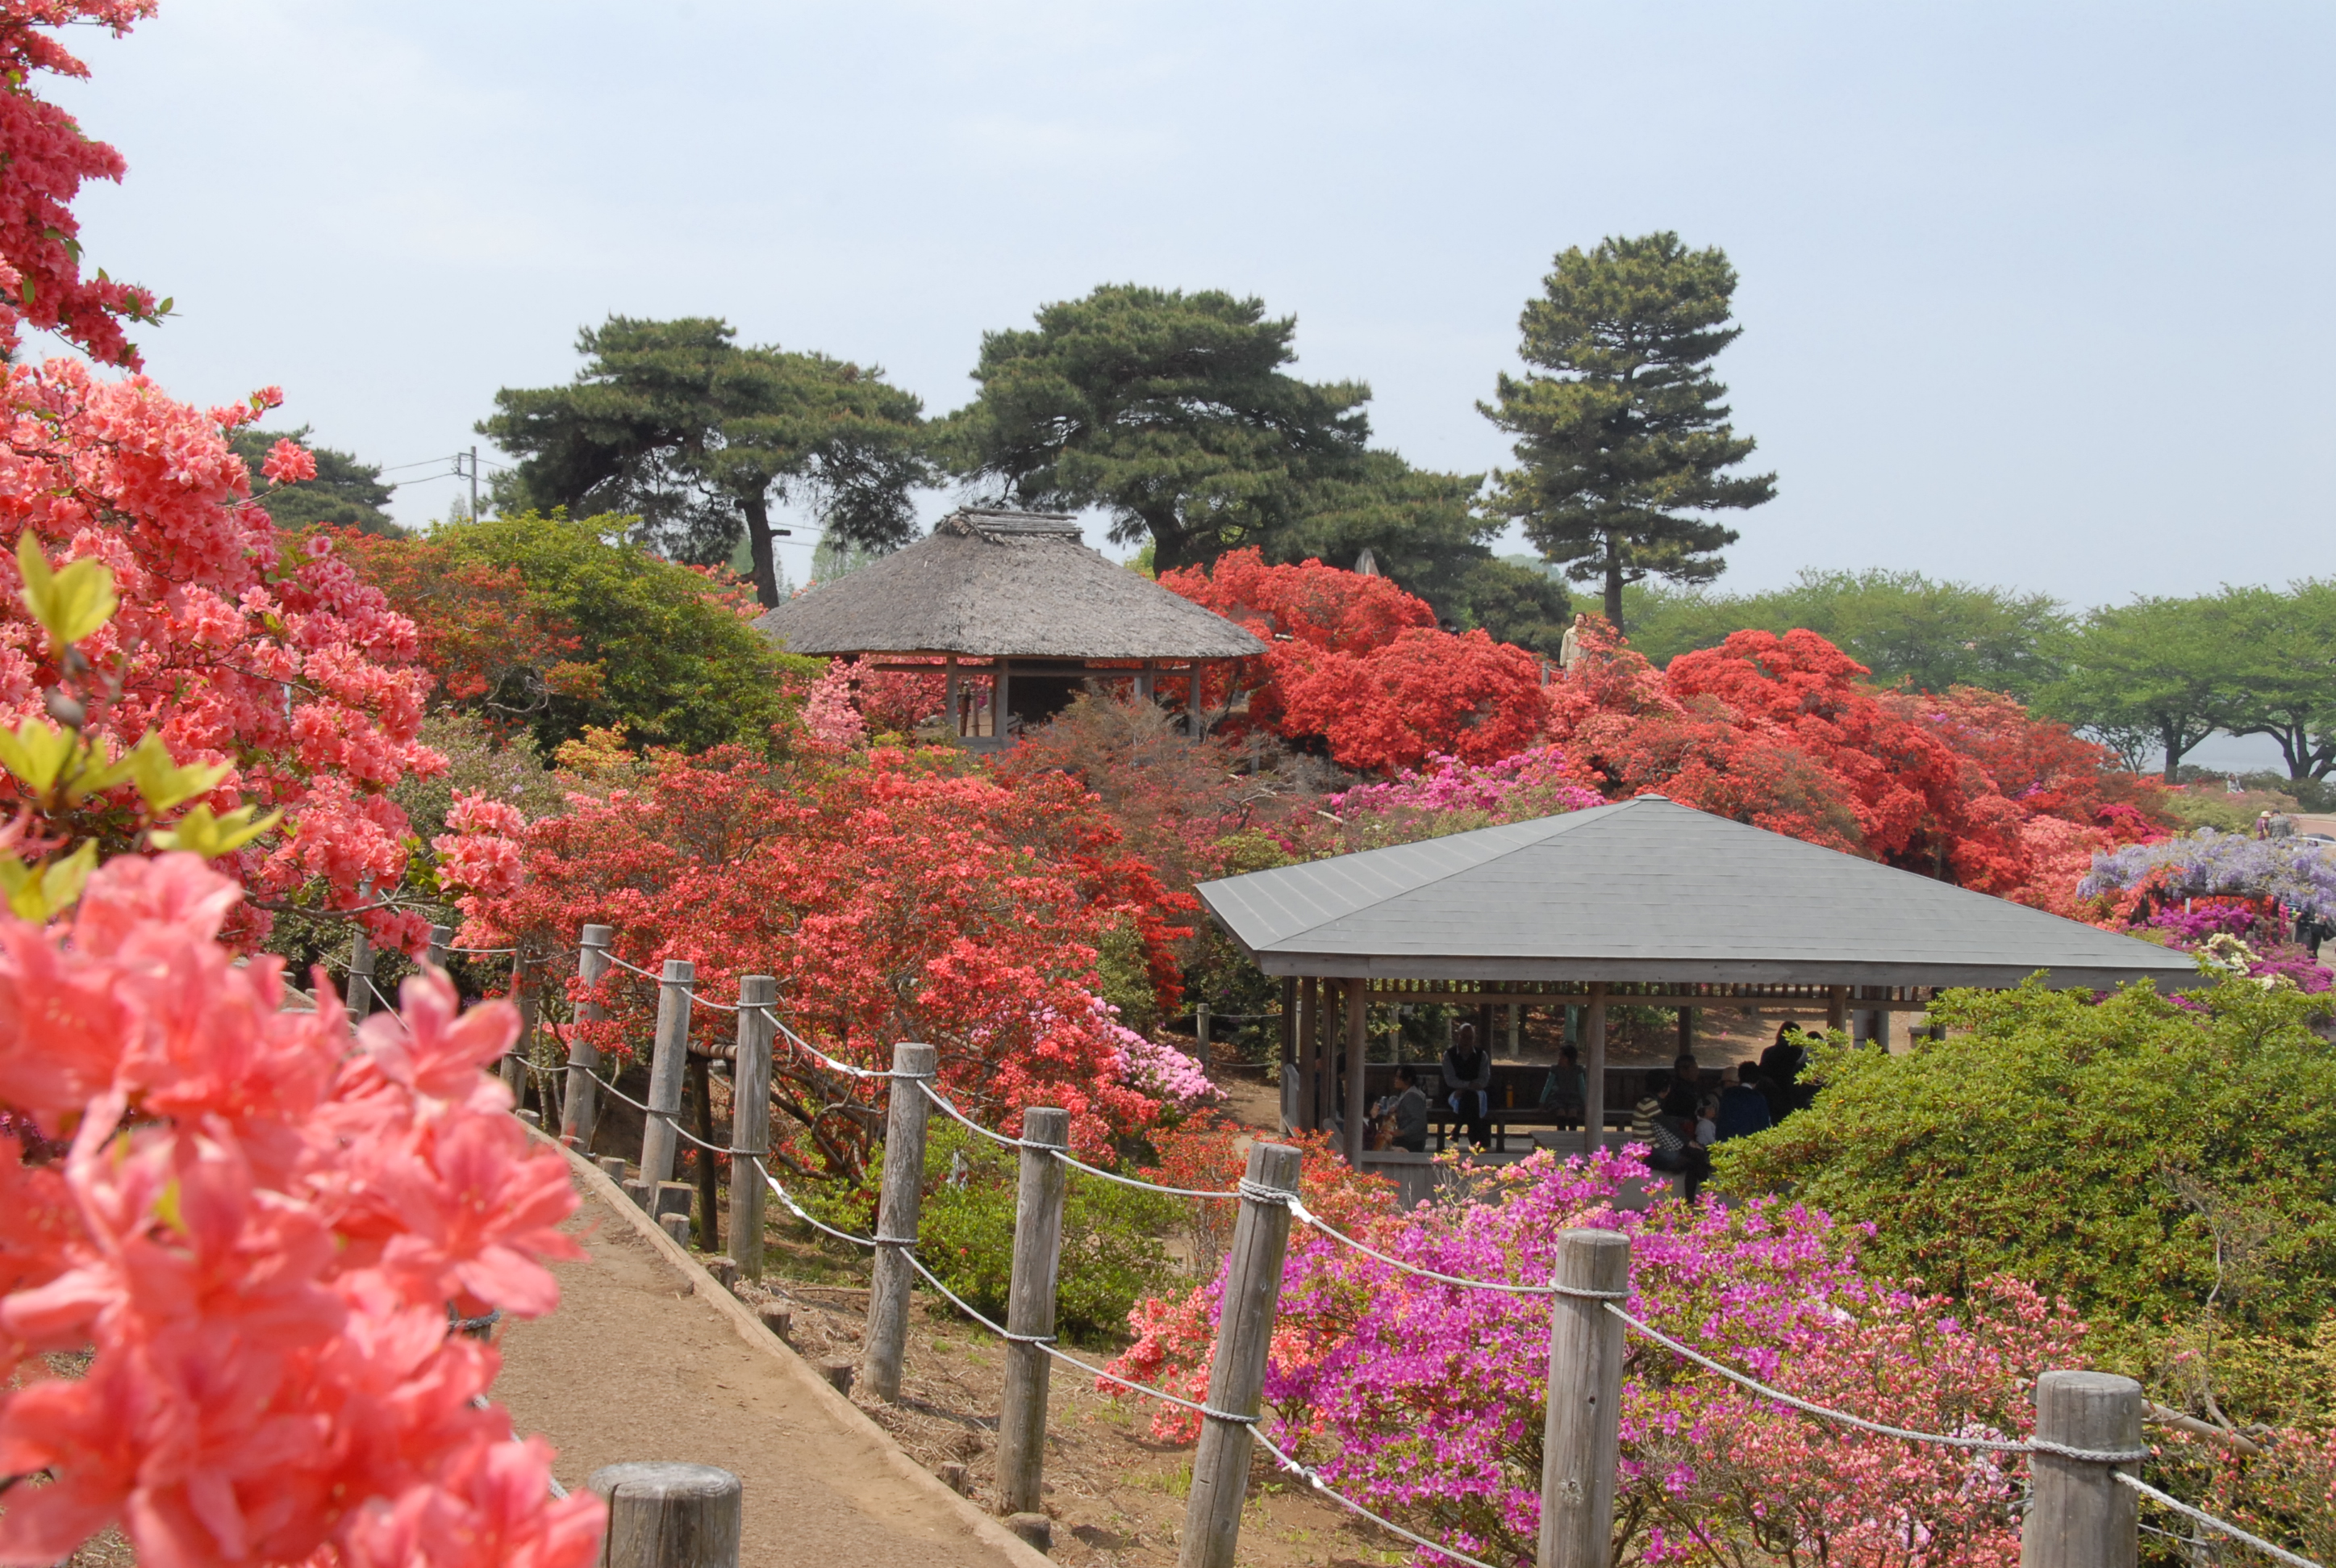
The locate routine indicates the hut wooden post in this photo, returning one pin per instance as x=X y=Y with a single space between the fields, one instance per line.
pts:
x=1594 y=1076
x=1309 y=1049
x=1001 y=675
x=1143 y=681
x=1358 y=1055
x=579 y=1108
x=1687 y=1031
x=950 y=697
x=1836 y=1006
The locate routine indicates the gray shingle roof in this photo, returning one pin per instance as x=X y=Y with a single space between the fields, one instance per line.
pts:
x=1648 y=890
x=993 y=584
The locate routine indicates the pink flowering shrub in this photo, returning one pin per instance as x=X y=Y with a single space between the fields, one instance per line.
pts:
x=260 y=1232
x=830 y=714
x=1535 y=782
x=1161 y=1072
x=1424 y=1401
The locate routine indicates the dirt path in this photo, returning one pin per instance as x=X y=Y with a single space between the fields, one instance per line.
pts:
x=635 y=1365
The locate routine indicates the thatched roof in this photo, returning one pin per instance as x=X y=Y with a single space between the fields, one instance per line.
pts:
x=1002 y=585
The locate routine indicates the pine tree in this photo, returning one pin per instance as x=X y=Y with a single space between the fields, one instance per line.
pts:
x=1620 y=435
x=675 y=423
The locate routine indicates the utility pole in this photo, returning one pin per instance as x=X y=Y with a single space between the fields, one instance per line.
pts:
x=475 y=484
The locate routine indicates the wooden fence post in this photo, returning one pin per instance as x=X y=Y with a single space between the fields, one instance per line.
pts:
x=359 y=1000
x=664 y=1516
x=579 y=1108
x=1581 y=1444
x=440 y=938
x=896 y=1221
x=666 y=1064
x=2079 y=1517
x=517 y=1060
x=1201 y=1034
x=749 y=1119
x=1030 y=1309
x=1236 y=1370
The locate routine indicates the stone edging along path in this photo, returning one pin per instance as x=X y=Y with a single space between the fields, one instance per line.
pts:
x=861 y=1439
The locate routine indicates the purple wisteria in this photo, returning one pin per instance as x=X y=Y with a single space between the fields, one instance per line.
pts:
x=2298 y=872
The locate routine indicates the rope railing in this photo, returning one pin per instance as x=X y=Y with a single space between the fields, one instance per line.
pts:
x=2102 y=1462
x=2200 y=1516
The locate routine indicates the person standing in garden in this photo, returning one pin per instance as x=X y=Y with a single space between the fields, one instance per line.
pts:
x=1469 y=1082
x=1569 y=647
x=1743 y=1108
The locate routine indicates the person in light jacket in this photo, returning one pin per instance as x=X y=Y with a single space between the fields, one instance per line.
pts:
x=1468 y=1082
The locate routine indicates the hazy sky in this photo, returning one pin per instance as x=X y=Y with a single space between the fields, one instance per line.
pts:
x=2032 y=294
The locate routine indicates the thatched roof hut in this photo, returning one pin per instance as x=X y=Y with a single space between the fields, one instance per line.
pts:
x=1020 y=592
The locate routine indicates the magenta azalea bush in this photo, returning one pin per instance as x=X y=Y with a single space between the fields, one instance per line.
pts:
x=1424 y=1400
x=1533 y=783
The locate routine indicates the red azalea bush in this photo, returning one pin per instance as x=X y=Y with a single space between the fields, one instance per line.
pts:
x=1360 y=664
x=894 y=897
x=1779 y=732
x=48 y=158
x=261 y=1233
x=282 y=667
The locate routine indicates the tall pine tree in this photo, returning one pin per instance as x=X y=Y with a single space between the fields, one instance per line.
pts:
x=1621 y=433
x=677 y=424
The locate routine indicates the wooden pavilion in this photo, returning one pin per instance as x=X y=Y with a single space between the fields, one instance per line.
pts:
x=1646 y=904
x=1014 y=602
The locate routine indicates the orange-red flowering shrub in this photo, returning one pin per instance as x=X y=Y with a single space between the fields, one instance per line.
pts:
x=1780 y=731
x=261 y=1233
x=894 y=899
x=282 y=667
x=1361 y=665
x=48 y=157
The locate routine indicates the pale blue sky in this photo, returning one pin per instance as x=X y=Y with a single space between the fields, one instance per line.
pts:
x=2032 y=294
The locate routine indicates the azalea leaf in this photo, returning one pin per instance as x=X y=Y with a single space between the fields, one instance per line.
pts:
x=200 y=833
x=70 y=604
x=36 y=752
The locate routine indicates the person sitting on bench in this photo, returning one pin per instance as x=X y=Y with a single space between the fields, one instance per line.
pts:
x=1468 y=1083
x=1407 y=1108
x=1561 y=1092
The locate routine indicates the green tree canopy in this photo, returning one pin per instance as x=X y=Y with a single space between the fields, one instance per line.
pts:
x=2160 y=674
x=675 y=423
x=676 y=666
x=1907 y=629
x=2099 y=1152
x=1621 y=437
x=344 y=491
x=1170 y=410
x=2284 y=646
x=1424 y=532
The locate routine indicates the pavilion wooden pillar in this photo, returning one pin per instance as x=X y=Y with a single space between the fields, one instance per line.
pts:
x=1358 y=1051
x=1836 y=1006
x=1594 y=1074
x=1309 y=1049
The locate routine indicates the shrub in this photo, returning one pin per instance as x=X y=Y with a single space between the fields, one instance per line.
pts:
x=2106 y=1151
x=1111 y=1251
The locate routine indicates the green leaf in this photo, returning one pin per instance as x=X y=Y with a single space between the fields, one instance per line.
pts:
x=161 y=782
x=70 y=604
x=36 y=752
x=40 y=893
x=200 y=833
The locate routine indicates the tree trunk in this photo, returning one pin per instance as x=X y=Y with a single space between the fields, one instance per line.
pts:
x=2169 y=735
x=758 y=541
x=1614 y=583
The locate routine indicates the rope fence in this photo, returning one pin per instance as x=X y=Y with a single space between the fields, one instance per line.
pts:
x=1587 y=1295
